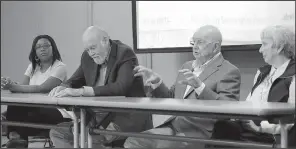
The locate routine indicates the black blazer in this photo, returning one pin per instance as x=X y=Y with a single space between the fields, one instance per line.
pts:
x=120 y=81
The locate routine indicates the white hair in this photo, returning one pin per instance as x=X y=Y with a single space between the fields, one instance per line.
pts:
x=281 y=36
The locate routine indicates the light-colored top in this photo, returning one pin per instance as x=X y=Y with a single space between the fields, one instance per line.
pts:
x=57 y=70
x=260 y=95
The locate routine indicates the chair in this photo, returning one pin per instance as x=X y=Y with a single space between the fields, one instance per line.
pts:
x=104 y=119
x=42 y=137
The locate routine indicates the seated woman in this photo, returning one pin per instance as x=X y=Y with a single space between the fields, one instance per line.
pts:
x=274 y=82
x=45 y=72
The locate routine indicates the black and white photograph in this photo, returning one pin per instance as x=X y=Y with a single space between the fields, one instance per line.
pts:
x=148 y=74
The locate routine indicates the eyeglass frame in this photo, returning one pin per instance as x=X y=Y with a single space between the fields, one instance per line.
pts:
x=44 y=46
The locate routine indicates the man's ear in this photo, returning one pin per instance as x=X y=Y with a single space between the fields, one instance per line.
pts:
x=216 y=45
x=105 y=41
x=280 y=48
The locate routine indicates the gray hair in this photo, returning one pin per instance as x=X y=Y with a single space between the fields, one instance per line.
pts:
x=281 y=36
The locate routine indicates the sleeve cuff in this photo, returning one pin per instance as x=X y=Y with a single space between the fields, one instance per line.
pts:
x=88 y=91
x=200 y=89
x=154 y=86
x=266 y=127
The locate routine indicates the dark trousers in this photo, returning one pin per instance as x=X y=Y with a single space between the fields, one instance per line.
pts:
x=233 y=130
x=292 y=137
x=32 y=115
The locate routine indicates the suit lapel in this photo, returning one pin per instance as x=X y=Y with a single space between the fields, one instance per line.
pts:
x=111 y=60
x=182 y=88
x=208 y=71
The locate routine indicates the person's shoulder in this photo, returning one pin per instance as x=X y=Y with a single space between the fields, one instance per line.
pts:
x=58 y=63
x=229 y=65
x=122 y=45
x=29 y=69
x=30 y=66
x=123 y=50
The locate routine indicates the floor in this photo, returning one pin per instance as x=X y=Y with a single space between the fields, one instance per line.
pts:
x=31 y=144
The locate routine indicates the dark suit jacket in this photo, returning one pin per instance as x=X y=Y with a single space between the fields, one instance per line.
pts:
x=222 y=80
x=120 y=81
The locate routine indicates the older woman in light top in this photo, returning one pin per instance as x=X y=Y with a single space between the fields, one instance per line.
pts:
x=275 y=82
x=45 y=72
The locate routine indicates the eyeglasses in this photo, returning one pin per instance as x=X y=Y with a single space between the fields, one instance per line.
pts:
x=94 y=47
x=199 y=42
x=45 y=46
x=91 y=48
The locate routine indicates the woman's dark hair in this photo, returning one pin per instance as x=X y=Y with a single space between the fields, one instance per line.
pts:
x=55 y=51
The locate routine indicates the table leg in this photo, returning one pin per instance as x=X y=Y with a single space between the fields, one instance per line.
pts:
x=89 y=139
x=284 y=135
x=82 y=128
x=1 y=133
x=75 y=132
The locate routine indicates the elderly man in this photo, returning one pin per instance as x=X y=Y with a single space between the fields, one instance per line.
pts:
x=208 y=77
x=106 y=69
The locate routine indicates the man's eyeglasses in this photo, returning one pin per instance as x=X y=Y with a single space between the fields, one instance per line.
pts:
x=91 y=48
x=46 y=46
x=198 y=42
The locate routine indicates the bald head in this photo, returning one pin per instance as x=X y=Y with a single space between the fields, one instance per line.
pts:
x=209 y=33
x=207 y=43
x=96 y=43
x=94 y=33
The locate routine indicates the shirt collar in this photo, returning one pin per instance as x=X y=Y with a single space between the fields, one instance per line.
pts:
x=280 y=70
x=206 y=63
x=108 y=54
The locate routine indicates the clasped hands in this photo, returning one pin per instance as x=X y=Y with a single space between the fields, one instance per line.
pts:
x=6 y=83
x=61 y=91
x=150 y=77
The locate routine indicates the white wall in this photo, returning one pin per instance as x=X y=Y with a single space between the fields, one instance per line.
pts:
x=116 y=18
x=65 y=22
x=18 y=29
x=20 y=23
